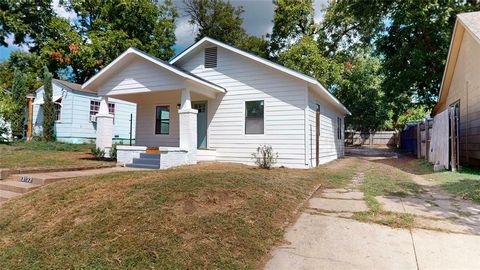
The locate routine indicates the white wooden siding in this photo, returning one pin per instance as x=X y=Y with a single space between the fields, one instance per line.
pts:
x=145 y=129
x=330 y=146
x=74 y=125
x=140 y=75
x=246 y=80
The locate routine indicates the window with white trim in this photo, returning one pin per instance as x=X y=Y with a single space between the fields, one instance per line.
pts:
x=254 y=117
x=162 y=120
x=95 y=108
x=58 y=109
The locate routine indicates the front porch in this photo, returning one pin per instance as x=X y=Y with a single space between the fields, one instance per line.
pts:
x=172 y=111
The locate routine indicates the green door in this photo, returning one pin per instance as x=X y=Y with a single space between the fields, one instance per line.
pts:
x=201 y=106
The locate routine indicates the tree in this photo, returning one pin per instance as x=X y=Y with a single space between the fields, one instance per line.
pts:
x=413 y=114
x=360 y=91
x=412 y=37
x=101 y=31
x=25 y=20
x=292 y=20
x=255 y=45
x=15 y=114
x=216 y=19
x=48 y=107
x=307 y=58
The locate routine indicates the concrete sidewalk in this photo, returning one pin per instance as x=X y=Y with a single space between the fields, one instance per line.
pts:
x=327 y=237
x=325 y=242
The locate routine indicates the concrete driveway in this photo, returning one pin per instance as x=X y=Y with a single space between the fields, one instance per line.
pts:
x=325 y=236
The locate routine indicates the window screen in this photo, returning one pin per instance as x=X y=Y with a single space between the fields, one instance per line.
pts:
x=210 y=57
x=162 y=120
x=254 y=117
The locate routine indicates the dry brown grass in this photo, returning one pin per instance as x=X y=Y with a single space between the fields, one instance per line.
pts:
x=208 y=216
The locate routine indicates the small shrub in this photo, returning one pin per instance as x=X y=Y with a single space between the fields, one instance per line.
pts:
x=98 y=153
x=113 y=152
x=265 y=158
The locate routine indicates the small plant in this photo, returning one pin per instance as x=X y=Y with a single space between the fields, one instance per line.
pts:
x=265 y=158
x=113 y=152
x=98 y=153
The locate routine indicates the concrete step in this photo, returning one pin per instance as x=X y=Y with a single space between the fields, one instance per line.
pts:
x=35 y=180
x=6 y=195
x=143 y=165
x=16 y=186
x=146 y=161
x=150 y=156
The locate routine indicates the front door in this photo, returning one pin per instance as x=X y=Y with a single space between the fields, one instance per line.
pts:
x=201 y=106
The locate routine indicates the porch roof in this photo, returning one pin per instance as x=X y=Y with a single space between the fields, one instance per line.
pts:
x=126 y=56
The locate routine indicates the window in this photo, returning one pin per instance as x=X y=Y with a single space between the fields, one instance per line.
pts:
x=210 y=57
x=339 y=128
x=254 y=117
x=94 y=107
x=111 y=108
x=58 y=109
x=162 y=120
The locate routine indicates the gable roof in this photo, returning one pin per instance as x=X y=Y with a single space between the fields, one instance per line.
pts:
x=466 y=22
x=311 y=81
x=133 y=51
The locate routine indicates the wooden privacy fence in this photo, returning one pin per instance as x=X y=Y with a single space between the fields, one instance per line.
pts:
x=373 y=138
x=435 y=140
x=415 y=138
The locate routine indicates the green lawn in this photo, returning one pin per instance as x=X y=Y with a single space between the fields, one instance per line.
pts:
x=37 y=154
x=464 y=184
x=207 y=216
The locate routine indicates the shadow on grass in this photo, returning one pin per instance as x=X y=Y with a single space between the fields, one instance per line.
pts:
x=465 y=188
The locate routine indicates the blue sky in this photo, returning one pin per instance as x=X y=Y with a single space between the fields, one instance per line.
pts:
x=257 y=17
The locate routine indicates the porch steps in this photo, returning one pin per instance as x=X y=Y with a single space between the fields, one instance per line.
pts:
x=146 y=161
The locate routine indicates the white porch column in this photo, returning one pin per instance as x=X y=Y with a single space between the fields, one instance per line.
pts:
x=104 y=127
x=188 y=127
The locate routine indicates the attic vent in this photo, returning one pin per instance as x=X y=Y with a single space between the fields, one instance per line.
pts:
x=210 y=57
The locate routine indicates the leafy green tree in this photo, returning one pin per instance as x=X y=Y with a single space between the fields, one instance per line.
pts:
x=216 y=19
x=107 y=28
x=360 y=91
x=25 y=20
x=255 y=45
x=292 y=20
x=48 y=107
x=16 y=114
x=306 y=57
x=411 y=36
x=413 y=114
x=102 y=30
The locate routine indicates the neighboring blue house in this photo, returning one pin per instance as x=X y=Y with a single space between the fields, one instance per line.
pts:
x=75 y=111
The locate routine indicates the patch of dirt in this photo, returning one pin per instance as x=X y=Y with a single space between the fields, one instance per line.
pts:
x=208 y=202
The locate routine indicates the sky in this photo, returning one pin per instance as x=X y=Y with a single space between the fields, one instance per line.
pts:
x=257 y=21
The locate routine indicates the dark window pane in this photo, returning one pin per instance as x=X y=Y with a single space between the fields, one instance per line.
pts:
x=254 y=117
x=162 y=121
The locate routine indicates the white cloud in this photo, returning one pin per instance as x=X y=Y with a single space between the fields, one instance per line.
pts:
x=62 y=12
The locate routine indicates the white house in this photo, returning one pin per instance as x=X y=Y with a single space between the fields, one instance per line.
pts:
x=216 y=102
x=75 y=111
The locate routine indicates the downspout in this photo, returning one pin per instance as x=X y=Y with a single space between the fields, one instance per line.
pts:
x=305 y=128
